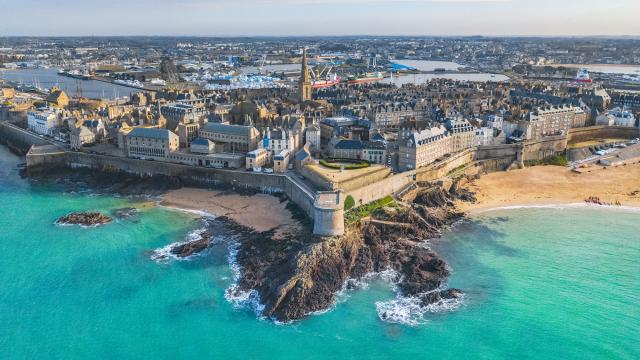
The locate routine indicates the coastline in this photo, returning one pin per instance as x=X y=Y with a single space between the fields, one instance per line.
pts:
x=583 y=205
x=259 y=212
x=555 y=186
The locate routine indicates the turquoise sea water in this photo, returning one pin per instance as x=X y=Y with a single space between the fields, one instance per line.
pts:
x=539 y=283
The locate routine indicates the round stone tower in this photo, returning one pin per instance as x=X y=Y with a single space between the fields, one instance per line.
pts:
x=328 y=213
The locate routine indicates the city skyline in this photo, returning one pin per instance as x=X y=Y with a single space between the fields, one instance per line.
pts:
x=321 y=18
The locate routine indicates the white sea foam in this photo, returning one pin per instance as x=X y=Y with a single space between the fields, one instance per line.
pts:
x=164 y=254
x=200 y=213
x=409 y=310
x=61 y=224
x=239 y=298
x=581 y=205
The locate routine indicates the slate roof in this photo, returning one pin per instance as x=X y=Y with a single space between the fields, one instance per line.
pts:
x=200 y=141
x=153 y=133
x=238 y=130
x=348 y=145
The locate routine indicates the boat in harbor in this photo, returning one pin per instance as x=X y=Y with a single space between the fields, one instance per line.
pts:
x=368 y=77
x=158 y=82
x=130 y=83
x=583 y=77
x=330 y=80
x=76 y=74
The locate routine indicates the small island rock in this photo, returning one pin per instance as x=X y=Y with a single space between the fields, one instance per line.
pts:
x=88 y=218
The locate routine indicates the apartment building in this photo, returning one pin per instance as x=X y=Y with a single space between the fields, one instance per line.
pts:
x=552 y=121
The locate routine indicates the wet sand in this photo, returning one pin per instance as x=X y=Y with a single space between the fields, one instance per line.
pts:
x=260 y=212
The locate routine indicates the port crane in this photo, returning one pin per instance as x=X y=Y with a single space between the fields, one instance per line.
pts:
x=261 y=66
x=321 y=69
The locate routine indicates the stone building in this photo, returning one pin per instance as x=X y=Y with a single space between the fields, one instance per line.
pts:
x=281 y=161
x=423 y=147
x=371 y=151
x=202 y=146
x=276 y=140
x=392 y=115
x=312 y=137
x=80 y=137
x=187 y=132
x=42 y=122
x=257 y=158
x=57 y=98
x=151 y=143
x=462 y=133
x=551 y=121
x=235 y=138
x=181 y=113
x=617 y=117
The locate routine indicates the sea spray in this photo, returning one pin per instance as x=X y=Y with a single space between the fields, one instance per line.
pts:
x=166 y=254
x=239 y=298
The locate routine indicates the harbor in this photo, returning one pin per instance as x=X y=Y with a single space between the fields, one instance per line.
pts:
x=45 y=79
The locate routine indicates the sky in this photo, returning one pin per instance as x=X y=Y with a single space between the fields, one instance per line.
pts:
x=319 y=17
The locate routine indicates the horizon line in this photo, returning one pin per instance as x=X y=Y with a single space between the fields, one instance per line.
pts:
x=333 y=36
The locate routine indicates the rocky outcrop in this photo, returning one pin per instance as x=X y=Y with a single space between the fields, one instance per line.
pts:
x=192 y=247
x=87 y=219
x=302 y=274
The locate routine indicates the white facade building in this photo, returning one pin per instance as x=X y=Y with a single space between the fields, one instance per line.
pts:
x=617 y=117
x=484 y=136
x=42 y=122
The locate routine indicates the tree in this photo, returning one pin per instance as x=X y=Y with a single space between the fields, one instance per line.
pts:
x=349 y=202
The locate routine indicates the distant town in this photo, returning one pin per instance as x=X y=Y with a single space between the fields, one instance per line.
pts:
x=344 y=119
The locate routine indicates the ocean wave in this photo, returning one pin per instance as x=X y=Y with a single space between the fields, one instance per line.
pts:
x=409 y=310
x=201 y=213
x=164 y=254
x=582 y=205
x=239 y=298
x=62 y=224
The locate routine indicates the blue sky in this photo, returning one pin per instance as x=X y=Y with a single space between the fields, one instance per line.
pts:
x=319 y=17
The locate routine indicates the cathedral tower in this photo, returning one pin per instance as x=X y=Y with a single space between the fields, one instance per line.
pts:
x=305 y=80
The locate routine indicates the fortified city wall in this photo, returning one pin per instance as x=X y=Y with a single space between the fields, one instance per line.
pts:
x=18 y=139
x=601 y=132
x=197 y=176
x=325 y=208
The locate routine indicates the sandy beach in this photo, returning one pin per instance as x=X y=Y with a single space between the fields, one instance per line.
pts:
x=260 y=212
x=546 y=185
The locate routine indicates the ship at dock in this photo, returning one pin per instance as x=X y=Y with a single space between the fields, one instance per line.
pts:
x=583 y=77
x=365 y=78
x=76 y=74
x=329 y=80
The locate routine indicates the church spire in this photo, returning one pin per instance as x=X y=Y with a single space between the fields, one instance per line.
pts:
x=305 y=80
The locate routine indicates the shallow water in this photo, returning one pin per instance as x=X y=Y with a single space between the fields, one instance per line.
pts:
x=539 y=284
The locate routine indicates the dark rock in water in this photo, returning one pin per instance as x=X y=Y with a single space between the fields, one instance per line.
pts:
x=192 y=247
x=300 y=274
x=89 y=218
x=436 y=296
x=125 y=213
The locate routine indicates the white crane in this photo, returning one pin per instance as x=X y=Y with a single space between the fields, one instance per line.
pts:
x=264 y=59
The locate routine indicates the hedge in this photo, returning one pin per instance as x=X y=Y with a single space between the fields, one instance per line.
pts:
x=351 y=166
